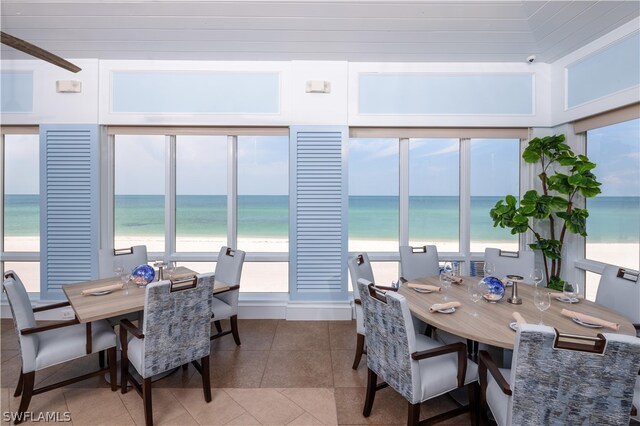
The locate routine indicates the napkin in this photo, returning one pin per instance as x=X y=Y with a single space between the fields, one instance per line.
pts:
x=442 y=306
x=103 y=288
x=424 y=286
x=456 y=280
x=519 y=319
x=590 y=319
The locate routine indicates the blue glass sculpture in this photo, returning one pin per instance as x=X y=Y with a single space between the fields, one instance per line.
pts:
x=494 y=289
x=143 y=275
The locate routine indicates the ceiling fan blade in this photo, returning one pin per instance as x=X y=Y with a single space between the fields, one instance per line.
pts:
x=36 y=51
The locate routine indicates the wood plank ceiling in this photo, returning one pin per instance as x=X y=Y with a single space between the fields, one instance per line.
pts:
x=381 y=31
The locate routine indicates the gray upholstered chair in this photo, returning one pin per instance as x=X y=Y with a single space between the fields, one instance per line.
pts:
x=128 y=258
x=562 y=380
x=225 y=304
x=416 y=262
x=175 y=332
x=416 y=366
x=52 y=344
x=510 y=262
x=619 y=290
x=359 y=267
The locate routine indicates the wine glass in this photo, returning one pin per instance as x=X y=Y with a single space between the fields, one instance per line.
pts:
x=571 y=291
x=119 y=272
x=536 y=276
x=488 y=269
x=170 y=270
x=542 y=300
x=445 y=282
x=475 y=291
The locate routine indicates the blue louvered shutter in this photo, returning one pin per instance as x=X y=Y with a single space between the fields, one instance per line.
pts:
x=319 y=202
x=69 y=206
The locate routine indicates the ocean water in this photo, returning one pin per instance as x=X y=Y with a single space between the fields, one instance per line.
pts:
x=611 y=219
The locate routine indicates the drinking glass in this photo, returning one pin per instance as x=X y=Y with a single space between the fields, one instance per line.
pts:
x=570 y=291
x=119 y=272
x=475 y=293
x=170 y=270
x=542 y=300
x=445 y=282
x=536 y=276
x=488 y=269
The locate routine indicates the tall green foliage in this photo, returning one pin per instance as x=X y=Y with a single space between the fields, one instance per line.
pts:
x=564 y=175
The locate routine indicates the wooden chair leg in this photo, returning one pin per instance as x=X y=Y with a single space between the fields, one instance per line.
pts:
x=414 y=414
x=372 y=382
x=101 y=359
x=234 y=329
x=474 y=407
x=113 y=374
x=146 y=398
x=359 y=351
x=28 y=380
x=218 y=326
x=206 y=380
x=124 y=373
x=19 y=387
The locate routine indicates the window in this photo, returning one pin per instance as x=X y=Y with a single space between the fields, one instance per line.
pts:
x=434 y=193
x=139 y=191
x=21 y=200
x=613 y=226
x=495 y=173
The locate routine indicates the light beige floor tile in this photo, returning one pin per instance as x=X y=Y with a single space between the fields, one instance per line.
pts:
x=344 y=376
x=388 y=407
x=96 y=407
x=301 y=335
x=244 y=420
x=180 y=379
x=46 y=404
x=6 y=355
x=268 y=406
x=305 y=419
x=219 y=411
x=236 y=369
x=298 y=369
x=4 y=404
x=342 y=334
x=255 y=335
x=166 y=408
x=320 y=403
x=71 y=369
x=10 y=372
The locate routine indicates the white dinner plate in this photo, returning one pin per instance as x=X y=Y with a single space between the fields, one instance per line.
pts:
x=100 y=293
x=513 y=325
x=586 y=324
x=423 y=290
x=447 y=311
x=565 y=299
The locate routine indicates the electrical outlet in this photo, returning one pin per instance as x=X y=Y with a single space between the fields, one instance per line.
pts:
x=67 y=313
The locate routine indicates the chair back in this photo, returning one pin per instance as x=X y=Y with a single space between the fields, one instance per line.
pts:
x=229 y=266
x=390 y=339
x=619 y=290
x=177 y=323
x=128 y=258
x=418 y=262
x=23 y=317
x=359 y=267
x=510 y=262
x=571 y=380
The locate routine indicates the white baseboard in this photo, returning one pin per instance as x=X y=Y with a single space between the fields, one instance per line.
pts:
x=328 y=311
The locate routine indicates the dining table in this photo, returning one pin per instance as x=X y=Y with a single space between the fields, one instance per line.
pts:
x=492 y=324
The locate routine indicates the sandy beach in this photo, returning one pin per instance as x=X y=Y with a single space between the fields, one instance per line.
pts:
x=268 y=276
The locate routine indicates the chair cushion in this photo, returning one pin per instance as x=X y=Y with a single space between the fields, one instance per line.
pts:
x=438 y=375
x=496 y=399
x=67 y=343
x=636 y=398
x=221 y=310
x=134 y=353
x=359 y=320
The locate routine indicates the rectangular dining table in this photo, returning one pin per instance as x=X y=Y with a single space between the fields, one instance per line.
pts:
x=491 y=326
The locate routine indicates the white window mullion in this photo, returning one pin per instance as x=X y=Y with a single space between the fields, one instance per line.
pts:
x=107 y=193
x=232 y=191
x=170 y=198
x=465 y=203
x=404 y=192
x=2 y=196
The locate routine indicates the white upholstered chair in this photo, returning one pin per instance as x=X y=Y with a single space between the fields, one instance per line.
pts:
x=128 y=258
x=510 y=262
x=416 y=366
x=418 y=262
x=562 y=380
x=52 y=344
x=175 y=332
x=225 y=304
x=359 y=267
x=619 y=290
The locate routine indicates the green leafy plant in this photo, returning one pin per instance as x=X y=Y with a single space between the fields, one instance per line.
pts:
x=564 y=175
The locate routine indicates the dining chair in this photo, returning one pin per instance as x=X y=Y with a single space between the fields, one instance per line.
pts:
x=414 y=365
x=416 y=262
x=52 y=344
x=225 y=303
x=619 y=290
x=359 y=267
x=510 y=262
x=559 y=379
x=128 y=258
x=175 y=332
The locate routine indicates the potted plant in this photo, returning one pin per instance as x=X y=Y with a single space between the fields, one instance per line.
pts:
x=551 y=214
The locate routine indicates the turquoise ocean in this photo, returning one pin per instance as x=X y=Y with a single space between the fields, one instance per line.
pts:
x=432 y=218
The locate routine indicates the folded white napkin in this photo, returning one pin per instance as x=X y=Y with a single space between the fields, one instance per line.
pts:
x=112 y=287
x=424 y=286
x=443 y=306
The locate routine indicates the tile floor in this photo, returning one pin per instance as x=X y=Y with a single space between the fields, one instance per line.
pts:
x=284 y=373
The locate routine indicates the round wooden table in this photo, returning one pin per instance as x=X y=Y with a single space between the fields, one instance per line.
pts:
x=491 y=326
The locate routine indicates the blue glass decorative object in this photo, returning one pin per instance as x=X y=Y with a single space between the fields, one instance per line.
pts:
x=494 y=289
x=143 y=275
